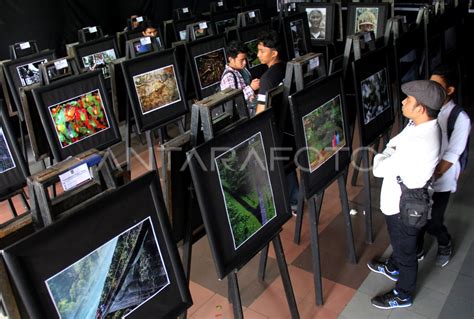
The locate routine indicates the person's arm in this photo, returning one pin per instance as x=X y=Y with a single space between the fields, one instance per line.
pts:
x=249 y=90
x=456 y=145
x=228 y=81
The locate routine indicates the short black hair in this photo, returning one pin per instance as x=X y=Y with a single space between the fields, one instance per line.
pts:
x=270 y=40
x=448 y=73
x=234 y=48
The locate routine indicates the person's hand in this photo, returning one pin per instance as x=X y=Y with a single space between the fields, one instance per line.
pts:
x=441 y=168
x=255 y=84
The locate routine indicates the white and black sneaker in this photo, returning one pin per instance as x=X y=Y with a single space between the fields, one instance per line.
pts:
x=391 y=300
x=382 y=268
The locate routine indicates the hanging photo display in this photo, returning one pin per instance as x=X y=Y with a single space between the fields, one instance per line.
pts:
x=297 y=36
x=100 y=60
x=324 y=132
x=321 y=133
x=245 y=185
x=76 y=114
x=210 y=67
x=6 y=159
x=29 y=73
x=157 y=88
x=375 y=95
x=129 y=269
x=317 y=23
x=366 y=20
x=78 y=118
x=113 y=280
x=241 y=193
x=223 y=24
x=252 y=51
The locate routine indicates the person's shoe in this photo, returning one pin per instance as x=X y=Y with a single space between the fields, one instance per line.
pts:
x=381 y=268
x=420 y=255
x=444 y=255
x=294 y=210
x=391 y=300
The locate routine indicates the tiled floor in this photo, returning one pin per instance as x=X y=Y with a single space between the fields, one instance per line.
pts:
x=347 y=288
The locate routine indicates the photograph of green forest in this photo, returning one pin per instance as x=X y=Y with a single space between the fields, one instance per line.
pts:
x=113 y=280
x=246 y=188
x=324 y=132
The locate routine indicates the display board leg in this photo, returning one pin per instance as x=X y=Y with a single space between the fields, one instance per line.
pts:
x=151 y=150
x=53 y=187
x=299 y=214
x=355 y=174
x=314 y=210
x=368 y=198
x=22 y=139
x=263 y=263
x=24 y=200
x=128 y=138
x=285 y=276
x=234 y=295
x=347 y=217
x=12 y=207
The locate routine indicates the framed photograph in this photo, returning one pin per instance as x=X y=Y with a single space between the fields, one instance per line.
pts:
x=321 y=20
x=57 y=69
x=297 y=35
x=248 y=205
x=364 y=17
x=97 y=54
x=24 y=72
x=322 y=133
x=249 y=17
x=374 y=97
x=23 y=49
x=13 y=168
x=208 y=61
x=223 y=20
x=77 y=115
x=155 y=89
x=199 y=30
x=144 y=45
x=129 y=269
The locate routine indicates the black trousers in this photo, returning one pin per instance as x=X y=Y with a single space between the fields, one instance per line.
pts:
x=435 y=226
x=403 y=240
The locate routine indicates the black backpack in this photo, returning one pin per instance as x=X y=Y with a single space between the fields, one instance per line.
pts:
x=453 y=116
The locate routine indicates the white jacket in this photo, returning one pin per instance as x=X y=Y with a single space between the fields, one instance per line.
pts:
x=413 y=155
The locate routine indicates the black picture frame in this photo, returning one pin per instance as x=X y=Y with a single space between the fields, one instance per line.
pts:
x=297 y=36
x=249 y=17
x=311 y=110
x=57 y=94
x=35 y=261
x=327 y=32
x=89 y=34
x=223 y=20
x=23 y=49
x=199 y=30
x=179 y=29
x=228 y=250
x=196 y=52
x=143 y=45
x=13 y=168
x=366 y=69
x=356 y=10
x=55 y=70
x=31 y=66
x=89 y=53
x=151 y=64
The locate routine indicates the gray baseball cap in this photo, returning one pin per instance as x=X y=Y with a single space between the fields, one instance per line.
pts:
x=427 y=92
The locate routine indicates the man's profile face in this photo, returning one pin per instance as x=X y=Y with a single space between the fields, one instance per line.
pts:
x=409 y=107
x=265 y=54
x=239 y=62
x=150 y=32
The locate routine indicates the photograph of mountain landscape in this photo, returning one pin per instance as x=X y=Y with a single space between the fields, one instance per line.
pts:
x=113 y=280
x=246 y=188
x=324 y=132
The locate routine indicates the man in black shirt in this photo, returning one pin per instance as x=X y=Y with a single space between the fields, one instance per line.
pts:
x=268 y=53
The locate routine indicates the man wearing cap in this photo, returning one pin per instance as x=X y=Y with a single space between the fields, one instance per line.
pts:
x=413 y=155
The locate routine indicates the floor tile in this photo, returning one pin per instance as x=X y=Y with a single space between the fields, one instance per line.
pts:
x=428 y=302
x=436 y=278
x=217 y=307
x=361 y=308
x=376 y=284
x=250 y=314
x=463 y=288
x=457 y=308
x=200 y=296
x=405 y=314
x=468 y=263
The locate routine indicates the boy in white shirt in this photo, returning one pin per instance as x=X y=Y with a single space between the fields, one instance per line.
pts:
x=454 y=140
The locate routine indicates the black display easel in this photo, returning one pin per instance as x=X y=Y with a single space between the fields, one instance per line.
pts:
x=9 y=198
x=355 y=46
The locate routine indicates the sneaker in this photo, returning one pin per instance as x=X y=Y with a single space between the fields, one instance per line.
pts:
x=444 y=255
x=391 y=300
x=420 y=255
x=381 y=268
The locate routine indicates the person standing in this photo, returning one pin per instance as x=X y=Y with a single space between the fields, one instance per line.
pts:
x=412 y=156
x=446 y=174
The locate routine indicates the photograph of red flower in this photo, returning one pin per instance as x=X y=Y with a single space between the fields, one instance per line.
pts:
x=79 y=118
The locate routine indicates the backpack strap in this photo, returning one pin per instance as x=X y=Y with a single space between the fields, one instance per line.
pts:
x=403 y=186
x=233 y=74
x=453 y=116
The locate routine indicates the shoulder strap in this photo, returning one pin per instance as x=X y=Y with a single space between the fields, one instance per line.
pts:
x=233 y=74
x=403 y=186
x=453 y=116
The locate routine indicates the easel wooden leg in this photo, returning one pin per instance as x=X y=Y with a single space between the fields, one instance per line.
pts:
x=347 y=217
x=299 y=214
x=355 y=174
x=263 y=264
x=234 y=295
x=128 y=139
x=314 y=206
x=151 y=150
x=368 y=199
x=285 y=277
